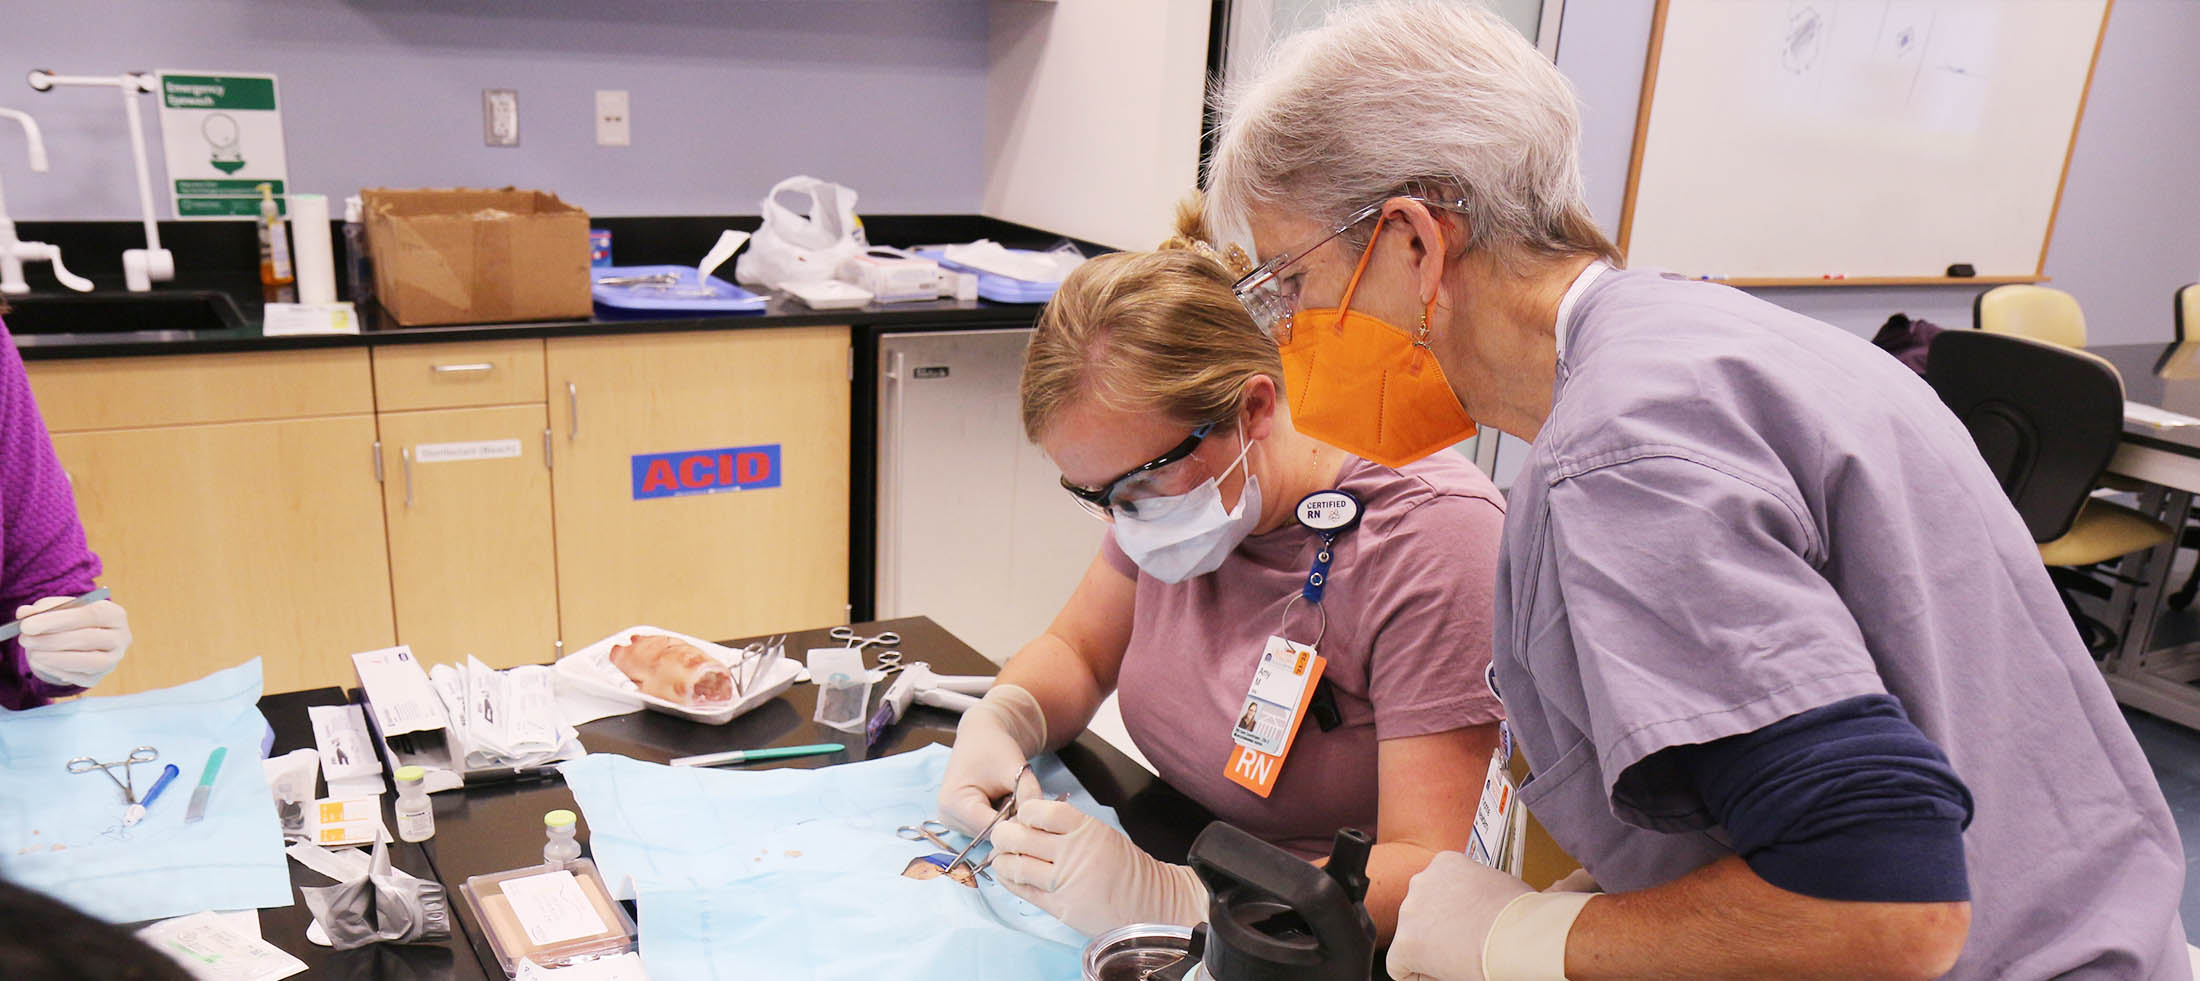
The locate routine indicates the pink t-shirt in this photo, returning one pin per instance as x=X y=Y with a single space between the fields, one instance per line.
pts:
x=1408 y=645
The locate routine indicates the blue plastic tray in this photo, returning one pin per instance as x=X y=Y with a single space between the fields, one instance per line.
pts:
x=659 y=301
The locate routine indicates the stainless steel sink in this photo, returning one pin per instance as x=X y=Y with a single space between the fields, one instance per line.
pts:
x=180 y=311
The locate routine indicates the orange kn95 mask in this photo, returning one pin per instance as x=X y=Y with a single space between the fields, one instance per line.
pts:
x=1367 y=386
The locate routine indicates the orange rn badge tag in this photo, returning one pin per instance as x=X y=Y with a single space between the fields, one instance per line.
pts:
x=1269 y=721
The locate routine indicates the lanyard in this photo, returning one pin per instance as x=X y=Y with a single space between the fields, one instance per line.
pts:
x=1328 y=513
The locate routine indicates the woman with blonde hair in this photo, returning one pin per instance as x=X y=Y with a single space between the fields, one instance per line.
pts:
x=1162 y=403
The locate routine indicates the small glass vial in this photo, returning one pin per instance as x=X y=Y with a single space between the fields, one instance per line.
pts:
x=415 y=817
x=561 y=849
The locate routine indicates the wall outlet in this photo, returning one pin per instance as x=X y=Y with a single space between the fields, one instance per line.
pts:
x=500 y=117
x=613 y=126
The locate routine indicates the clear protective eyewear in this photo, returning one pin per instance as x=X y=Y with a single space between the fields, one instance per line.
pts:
x=1272 y=297
x=1140 y=483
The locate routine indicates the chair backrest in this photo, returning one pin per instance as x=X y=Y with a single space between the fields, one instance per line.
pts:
x=2185 y=309
x=2038 y=312
x=2046 y=418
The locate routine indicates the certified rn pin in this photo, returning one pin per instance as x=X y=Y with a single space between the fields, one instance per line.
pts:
x=1329 y=513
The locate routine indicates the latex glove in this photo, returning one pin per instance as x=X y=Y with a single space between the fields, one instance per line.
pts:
x=996 y=738
x=77 y=646
x=1464 y=921
x=1089 y=875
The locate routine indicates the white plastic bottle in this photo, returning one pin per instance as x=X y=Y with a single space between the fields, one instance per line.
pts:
x=415 y=817
x=561 y=849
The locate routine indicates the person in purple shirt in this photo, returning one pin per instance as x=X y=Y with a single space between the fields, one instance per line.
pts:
x=44 y=561
x=1784 y=662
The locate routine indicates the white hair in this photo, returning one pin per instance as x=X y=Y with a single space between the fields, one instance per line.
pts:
x=1440 y=99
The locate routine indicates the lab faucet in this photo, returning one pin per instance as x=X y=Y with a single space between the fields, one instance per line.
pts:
x=141 y=268
x=15 y=252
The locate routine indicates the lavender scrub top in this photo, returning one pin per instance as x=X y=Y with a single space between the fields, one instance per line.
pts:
x=1407 y=642
x=42 y=550
x=1736 y=514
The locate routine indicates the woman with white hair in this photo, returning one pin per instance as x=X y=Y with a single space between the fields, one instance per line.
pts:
x=1792 y=681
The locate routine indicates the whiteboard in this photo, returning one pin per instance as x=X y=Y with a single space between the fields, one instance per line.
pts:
x=1867 y=140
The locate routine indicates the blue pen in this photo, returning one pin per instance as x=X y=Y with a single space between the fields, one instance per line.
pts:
x=136 y=812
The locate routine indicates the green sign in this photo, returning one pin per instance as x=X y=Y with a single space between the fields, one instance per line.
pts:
x=217 y=92
x=227 y=188
x=218 y=207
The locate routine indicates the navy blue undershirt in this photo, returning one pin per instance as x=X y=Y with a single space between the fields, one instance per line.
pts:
x=1847 y=801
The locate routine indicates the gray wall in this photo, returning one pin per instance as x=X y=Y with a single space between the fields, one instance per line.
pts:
x=729 y=96
x=2127 y=235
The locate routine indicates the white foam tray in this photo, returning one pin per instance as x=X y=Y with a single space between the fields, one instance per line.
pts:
x=590 y=668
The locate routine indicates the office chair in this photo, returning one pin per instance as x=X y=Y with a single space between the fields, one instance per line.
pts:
x=2047 y=419
x=2038 y=312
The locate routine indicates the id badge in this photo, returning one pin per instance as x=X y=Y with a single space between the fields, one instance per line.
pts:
x=1269 y=718
x=1493 y=816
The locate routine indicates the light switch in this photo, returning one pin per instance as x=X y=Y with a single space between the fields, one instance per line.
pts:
x=613 y=126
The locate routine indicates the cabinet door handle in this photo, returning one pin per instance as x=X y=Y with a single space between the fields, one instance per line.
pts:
x=457 y=369
x=378 y=461
x=886 y=598
x=406 y=455
x=573 y=410
x=547 y=443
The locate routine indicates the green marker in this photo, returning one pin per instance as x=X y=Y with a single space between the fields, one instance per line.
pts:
x=756 y=755
x=197 y=809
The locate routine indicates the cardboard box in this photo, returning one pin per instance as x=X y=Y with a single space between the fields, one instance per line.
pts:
x=459 y=256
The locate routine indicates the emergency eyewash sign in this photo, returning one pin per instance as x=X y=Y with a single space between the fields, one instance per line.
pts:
x=223 y=136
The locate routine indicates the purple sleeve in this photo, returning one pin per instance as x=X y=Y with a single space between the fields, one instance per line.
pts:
x=1434 y=586
x=42 y=550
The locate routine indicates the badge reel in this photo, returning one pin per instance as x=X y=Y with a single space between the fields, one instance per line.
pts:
x=1285 y=682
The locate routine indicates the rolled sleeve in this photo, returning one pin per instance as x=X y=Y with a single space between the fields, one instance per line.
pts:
x=1698 y=612
x=1430 y=651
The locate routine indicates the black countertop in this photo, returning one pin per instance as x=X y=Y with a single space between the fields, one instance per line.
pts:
x=493 y=828
x=216 y=256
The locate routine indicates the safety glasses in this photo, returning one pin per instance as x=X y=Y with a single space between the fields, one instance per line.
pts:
x=1271 y=296
x=1124 y=492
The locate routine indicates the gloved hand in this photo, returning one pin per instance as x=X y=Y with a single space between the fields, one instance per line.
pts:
x=1089 y=875
x=996 y=738
x=77 y=646
x=1464 y=921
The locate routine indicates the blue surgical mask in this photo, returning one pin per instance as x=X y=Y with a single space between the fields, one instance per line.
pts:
x=1175 y=538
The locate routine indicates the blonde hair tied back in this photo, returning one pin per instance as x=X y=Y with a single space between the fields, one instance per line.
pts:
x=1157 y=331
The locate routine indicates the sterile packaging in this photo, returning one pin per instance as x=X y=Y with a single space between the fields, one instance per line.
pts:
x=290 y=778
x=550 y=917
x=801 y=247
x=346 y=750
x=892 y=275
x=830 y=294
x=335 y=823
x=757 y=679
x=843 y=687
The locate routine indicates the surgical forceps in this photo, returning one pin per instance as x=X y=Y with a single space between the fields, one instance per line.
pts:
x=930 y=830
x=889 y=662
x=857 y=642
x=128 y=783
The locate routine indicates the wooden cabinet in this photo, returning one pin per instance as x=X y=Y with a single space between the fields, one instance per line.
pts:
x=467 y=495
x=445 y=376
x=233 y=497
x=232 y=500
x=712 y=564
x=236 y=540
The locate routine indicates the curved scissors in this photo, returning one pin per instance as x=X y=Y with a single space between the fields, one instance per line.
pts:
x=928 y=830
x=128 y=784
x=858 y=642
